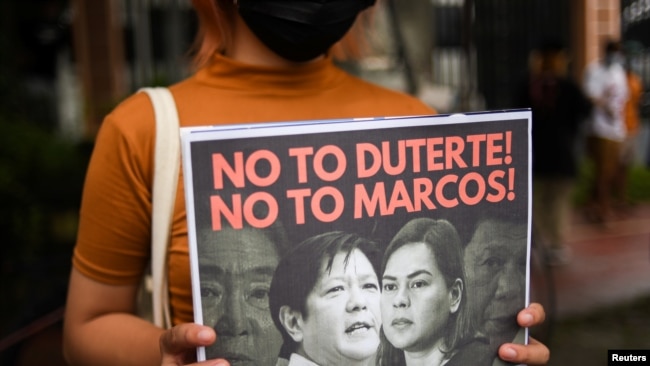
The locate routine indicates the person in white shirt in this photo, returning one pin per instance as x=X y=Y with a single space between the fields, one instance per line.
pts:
x=605 y=84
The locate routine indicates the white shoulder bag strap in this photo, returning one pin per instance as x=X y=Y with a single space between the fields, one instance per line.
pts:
x=166 y=169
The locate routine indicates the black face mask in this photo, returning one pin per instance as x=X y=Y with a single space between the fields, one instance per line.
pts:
x=300 y=30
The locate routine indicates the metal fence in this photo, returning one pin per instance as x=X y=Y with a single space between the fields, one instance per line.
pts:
x=158 y=34
x=503 y=32
x=477 y=48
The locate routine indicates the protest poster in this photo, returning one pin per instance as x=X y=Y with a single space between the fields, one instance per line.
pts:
x=351 y=219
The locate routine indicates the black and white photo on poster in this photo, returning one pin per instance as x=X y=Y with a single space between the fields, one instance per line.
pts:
x=367 y=242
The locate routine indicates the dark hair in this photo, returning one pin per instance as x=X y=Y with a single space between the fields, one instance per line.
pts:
x=298 y=271
x=442 y=239
x=612 y=46
x=468 y=226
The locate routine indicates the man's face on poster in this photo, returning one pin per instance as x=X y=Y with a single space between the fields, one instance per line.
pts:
x=236 y=271
x=495 y=265
x=343 y=316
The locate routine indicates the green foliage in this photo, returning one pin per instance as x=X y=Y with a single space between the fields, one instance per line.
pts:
x=41 y=176
x=639 y=187
x=585 y=176
x=638 y=184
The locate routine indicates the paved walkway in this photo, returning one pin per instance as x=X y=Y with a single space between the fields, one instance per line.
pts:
x=610 y=264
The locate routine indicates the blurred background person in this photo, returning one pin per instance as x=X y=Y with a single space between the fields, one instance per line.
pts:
x=559 y=109
x=606 y=85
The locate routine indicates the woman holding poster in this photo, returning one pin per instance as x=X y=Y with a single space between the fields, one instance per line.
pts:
x=257 y=61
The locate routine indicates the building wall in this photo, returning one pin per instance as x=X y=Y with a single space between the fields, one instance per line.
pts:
x=595 y=21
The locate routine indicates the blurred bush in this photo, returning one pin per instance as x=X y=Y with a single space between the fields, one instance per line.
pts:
x=41 y=177
x=638 y=184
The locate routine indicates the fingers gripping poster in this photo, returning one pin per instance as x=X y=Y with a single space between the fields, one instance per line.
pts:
x=360 y=242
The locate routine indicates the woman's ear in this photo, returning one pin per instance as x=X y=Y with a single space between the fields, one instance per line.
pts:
x=455 y=295
x=292 y=322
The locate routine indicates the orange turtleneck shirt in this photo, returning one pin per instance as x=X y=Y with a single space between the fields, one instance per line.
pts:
x=113 y=242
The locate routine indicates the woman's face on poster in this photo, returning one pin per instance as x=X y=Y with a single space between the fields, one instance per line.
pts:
x=236 y=271
x=343 y=319
x=415 y=302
